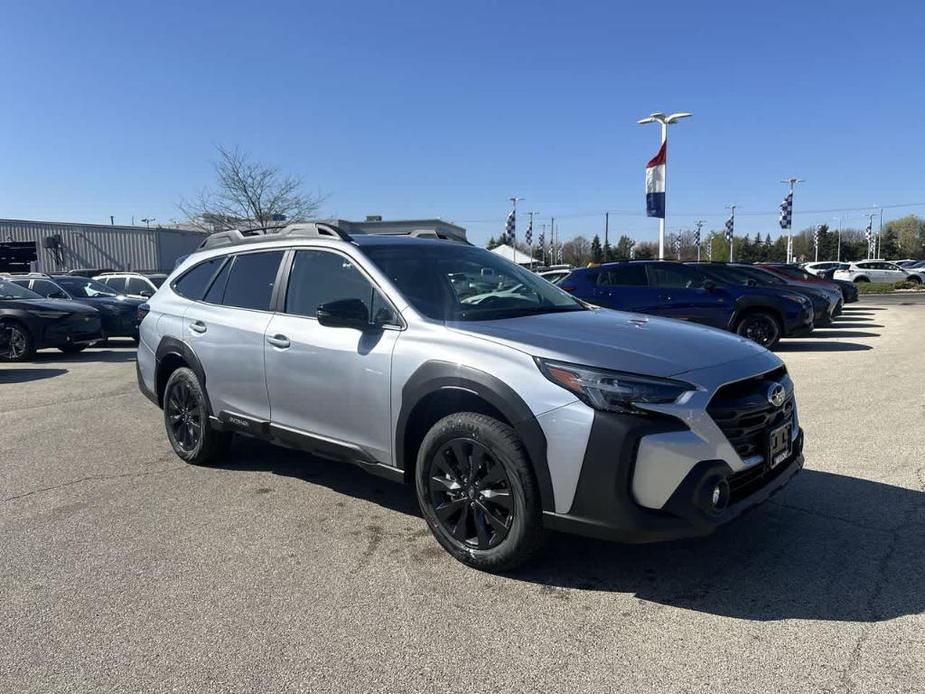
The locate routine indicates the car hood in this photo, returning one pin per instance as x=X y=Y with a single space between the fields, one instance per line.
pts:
x=48 y=305
x=616 y=340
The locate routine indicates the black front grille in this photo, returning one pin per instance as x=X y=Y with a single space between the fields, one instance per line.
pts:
x=742 y=411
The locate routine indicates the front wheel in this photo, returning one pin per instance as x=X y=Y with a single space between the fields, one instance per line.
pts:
x=186 y=419
x=478 y=493
x=760 y=327
x=22 y=346
x=915 y=279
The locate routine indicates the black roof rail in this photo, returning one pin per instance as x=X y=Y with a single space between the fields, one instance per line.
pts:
x=305 y=230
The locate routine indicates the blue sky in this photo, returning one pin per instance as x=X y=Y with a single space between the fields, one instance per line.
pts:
x=413 y=109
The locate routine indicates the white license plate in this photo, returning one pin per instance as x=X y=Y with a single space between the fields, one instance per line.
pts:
x=779 y=445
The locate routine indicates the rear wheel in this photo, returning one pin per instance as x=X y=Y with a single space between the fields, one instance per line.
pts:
x=862 y=280
x=22 y=346
x=915 y=279
x=478 y=493
x=186 y=419
x=760 y=327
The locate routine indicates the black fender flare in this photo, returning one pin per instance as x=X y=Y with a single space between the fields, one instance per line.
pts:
x=436 y=375
x=171 y=346
x=753 y=303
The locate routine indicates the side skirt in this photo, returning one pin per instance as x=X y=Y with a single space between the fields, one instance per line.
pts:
x=315 y=444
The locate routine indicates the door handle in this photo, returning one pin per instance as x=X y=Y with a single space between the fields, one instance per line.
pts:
x=197 y=326
x=280 y=341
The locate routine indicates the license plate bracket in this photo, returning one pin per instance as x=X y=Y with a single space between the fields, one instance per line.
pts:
x=779 y=444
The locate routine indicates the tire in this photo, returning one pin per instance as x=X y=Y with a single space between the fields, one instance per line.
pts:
x=186 y=419
x=477 y=492
x=72 y=349
x=22 y=346
x=915 y=279
x=760 y=327
x=862 y=280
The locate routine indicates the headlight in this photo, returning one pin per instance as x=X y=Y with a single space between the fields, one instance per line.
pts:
x=51 y=315
x=612 y=391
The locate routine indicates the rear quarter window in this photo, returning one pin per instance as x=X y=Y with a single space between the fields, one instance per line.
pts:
x=192 y=283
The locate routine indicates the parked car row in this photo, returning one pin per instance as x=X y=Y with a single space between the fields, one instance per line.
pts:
x=66 y=311
x=761 y=302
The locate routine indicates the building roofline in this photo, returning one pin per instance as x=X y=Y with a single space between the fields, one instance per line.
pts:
x=101 y=226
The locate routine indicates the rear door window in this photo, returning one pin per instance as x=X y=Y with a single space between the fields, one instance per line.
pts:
x=251 y=280
x=136 y=285
x=676 y=276
x=117 y=283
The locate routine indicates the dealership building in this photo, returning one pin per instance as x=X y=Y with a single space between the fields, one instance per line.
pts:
x=62 y=246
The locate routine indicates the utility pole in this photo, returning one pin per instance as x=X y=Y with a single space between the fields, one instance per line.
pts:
x=552 y=235
x=606 y=230
x=838 y=247
x=792 y=182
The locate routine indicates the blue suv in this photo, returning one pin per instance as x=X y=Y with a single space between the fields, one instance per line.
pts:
x=674 y=290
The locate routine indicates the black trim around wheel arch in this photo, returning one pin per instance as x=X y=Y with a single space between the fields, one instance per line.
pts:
x=436 y=375
x=604 y=506
x=151 y=395
x=172 y=346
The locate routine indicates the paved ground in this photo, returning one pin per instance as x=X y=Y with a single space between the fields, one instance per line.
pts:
x=122 y=569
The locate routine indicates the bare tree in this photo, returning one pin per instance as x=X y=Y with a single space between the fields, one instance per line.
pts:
x=576 y=251
x=249 y=193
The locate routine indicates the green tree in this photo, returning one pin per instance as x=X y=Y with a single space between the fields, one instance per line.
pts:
x=597 y=251
x=622 y=249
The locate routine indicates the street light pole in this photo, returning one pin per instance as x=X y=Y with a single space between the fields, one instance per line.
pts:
x=838 y=247
x=664 y=121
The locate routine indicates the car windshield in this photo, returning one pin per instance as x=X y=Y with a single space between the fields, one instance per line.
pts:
x=83 y=288
x=449 y=281
x=726 y=274
x=9 y=290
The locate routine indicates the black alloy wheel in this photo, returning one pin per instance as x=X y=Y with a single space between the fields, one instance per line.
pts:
x=20 y=343
x=184 y=412
x=760 y=328
x=471 y=494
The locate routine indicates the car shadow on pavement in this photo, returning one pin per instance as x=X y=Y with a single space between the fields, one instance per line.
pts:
x=813 y=345
x=17 y=375
x=88 y=355
x=830 y=547
x=840 y=324
x=343 y=478
x=836 y=331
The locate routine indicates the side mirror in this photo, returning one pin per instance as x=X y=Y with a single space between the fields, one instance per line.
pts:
x=344 y=313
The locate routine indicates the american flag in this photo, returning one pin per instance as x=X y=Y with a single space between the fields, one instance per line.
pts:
x=786 y=212
x=510 y=227
x=730 y=226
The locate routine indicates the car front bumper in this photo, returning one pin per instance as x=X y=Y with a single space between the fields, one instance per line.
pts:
x=614 y=498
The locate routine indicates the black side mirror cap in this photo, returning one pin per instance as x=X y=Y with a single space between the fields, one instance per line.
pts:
x=344 y=313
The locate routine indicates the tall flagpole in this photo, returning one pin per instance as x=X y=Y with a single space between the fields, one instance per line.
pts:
x=731 y=227
x=664 y=121
x=791 y=181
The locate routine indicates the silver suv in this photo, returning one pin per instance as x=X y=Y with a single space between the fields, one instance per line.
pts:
x=512 y=407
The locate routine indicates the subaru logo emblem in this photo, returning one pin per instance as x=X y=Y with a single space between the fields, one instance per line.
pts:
x=776 y=394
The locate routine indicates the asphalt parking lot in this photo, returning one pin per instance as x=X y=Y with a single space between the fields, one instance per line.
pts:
x=124 y=569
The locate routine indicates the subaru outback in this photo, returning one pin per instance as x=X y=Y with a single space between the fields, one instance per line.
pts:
x=510 y=406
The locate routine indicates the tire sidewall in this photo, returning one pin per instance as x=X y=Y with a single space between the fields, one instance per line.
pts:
x=29 y=350
x=477 y=428
x=186 y=376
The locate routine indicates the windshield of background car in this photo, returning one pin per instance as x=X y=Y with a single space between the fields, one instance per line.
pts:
x=157 y=280
x=724 y=274
x=8 y=290
x=83 y=288
x=449 y=281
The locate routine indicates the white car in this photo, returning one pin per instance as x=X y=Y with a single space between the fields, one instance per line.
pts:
x=821 y=266
x=133 y=284
x=554 y=276
x=878 y=271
